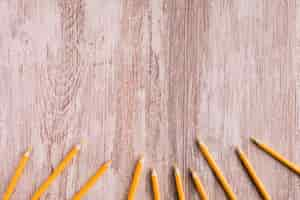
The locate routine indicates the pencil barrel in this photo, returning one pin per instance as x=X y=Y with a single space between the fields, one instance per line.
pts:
x=277 y=156
x=155 y=185
x=16 y=177
x=179 y=185
x=92 y=181
x=57 y=171
x=135 y=179
x=199 y=186
x=216 y=170
x=252 y=174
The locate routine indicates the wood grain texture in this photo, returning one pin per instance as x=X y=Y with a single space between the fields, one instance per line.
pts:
x=136 y=77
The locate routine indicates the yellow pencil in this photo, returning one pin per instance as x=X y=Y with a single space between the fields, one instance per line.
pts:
x=57 y=171
x=292 y=166
x=89 y=184
x=135 y=179
x=199 y=186
x=179 y=185
x=250 y=170
x=155 y=185
x=16 y=177
x=213 y=165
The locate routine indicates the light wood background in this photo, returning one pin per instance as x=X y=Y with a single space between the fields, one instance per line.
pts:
x=133 y=77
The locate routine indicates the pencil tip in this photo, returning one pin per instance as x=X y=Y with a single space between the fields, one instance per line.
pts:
x=254 y=140
x=176 y=170
x=142 y=159
x=28 y=152
x=78 y=146
x=108 y=163
x=238 y=150
x=153 y=172
x=193 y=173
x=199 y=141
x=191 y=170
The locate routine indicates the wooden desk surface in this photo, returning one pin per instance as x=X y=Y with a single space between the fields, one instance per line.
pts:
x=136 y=77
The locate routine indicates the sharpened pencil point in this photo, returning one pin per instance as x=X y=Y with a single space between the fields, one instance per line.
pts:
x=254 y=140
x=153 y=172
x=193 y=173
x=78 y=146
x=238 y=150
x=176 y=170
x=200 y=144
x=108 y=163
x=142 y=159
x=28 y=152
x=198 y=141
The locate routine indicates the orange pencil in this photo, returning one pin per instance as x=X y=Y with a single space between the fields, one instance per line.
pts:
x=57 y=171
x=18 y=173
x=216 y=170
x=252 y=174
x=179 y=185
x=292 y=166
x=155 y=185
x=199 y=186
x=92 y=181
x=136 y=179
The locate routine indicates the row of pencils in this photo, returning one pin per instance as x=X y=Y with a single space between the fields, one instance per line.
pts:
x=154 y=178
x=218 y=174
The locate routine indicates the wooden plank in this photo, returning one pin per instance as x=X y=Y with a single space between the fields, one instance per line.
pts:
x=147 y=77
